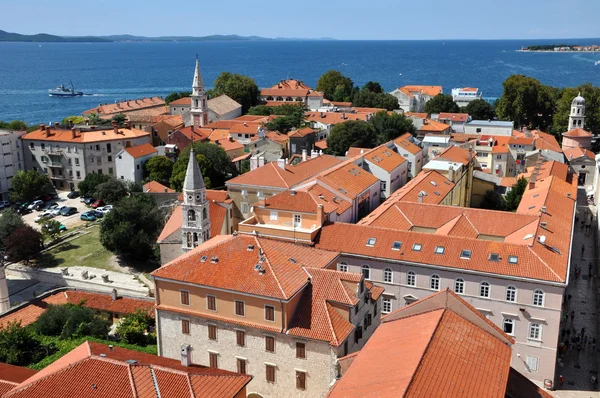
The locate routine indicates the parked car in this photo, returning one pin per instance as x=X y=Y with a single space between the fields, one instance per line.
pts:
x=87 y=216
x=56 y=211
x=39 y=207
x=67 y=211
x=105 y=209
x=24 y=210
x=61 y=228
x=73 y=194
x=83 y=198
x=97 y=204
x=97 y=214
x=52 y=206
x=6 y=203
x=2 y=206
x=44 y=215
x=89 y=201
x=46 y=198
x=33 y=204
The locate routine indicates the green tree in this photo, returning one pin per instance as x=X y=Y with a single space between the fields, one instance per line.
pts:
x=390 y=126
x=95 y=120
x=74 y=119
x=111 y=191
x=560 y=120
x=373 y=87
x=132 y=227
x=20 y=346
x=24 y=244
x=526 y=102
x=88 y=186
x=69 y=320
x=214 y=165
x=174 y=96
x=51 y=229
x=158 y=168
x=16 y=125
x=370 y=99
x=283 y=110
x=492 y=201
x=135 y=329
x=240 y=88
x=441 y=103
x=480 y=110
x=513 y=197
x=9 y=223
x=29 y=185
x=335 y=86
x=119 y=119
x=351 y=133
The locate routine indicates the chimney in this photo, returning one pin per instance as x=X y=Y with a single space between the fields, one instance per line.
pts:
x=186 y=357
x=304 y=155
x=451 y=173
x=43 y=127
x=532 y=181
x=73 y=133
x=320 y=214
x=253 y=163
x=71 y=124
x=116 y=128
x=343 y=116
x=113 y=295
x=281 y=163
x=420 y=197
x=261 y=161
x=92 y=128
x=127 y=125
x=470 y=154
x=56 y=125
x=245 y=124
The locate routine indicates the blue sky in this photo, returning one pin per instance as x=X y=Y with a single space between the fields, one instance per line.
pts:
x=348 y=19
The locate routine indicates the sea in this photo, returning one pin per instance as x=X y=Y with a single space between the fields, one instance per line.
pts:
x=110 y=72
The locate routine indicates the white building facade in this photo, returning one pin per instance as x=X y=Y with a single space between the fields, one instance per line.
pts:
x=11 y=160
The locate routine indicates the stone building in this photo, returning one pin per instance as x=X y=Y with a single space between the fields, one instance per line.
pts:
x=11 y=160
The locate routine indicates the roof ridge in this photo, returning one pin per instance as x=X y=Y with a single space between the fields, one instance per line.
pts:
x=344 y=289
x=193 y=252
x=270 y=267
x=327 y=308
x=277 y=170
x=131 y=382
x=189 y=381
x=473 y=225
x=401 y=212
x=544 y=262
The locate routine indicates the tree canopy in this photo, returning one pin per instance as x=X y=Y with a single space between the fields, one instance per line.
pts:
x=390 y=126
x=19 y=345
x=335 y=86
x=29 y=185
x=111 y=191
x=480 y=110
x=214 y=164
x=88 y=186
x=240 y=88
x=373 y=96
x=159 y=169
x=69 y=320
x=16 y=125
x=24 y=244
x=119 y=119
x=441 y=103
x=51 y=229
x=132 y=227
x=355 y=133
x=513 y=197
x=133 y=329
x=174 y=96
x=283 y=110
x=9 y=223
x=526 y=102
x=563 y=107
x=74 y=119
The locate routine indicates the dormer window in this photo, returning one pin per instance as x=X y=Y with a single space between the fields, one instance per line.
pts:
x=371 y=242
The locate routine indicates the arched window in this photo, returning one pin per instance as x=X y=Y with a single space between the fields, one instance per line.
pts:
x=508 y=325
x=511 y=294
x=279 y=99
x=538 y=298
x=459 y=286
x=204 y=213
x=411 y=278
x=343 y=266
x=289 y=99
x=195 y=239
x=269 y=98
x=434 y=282
x=535 y=331
x=366 y=271
x=387 y=275
x=387 y=306
x=191 y=215
x=189 y=239
x=484 y=290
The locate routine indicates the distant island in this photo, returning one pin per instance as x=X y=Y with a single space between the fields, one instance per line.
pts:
x=47 y=38
x=560 y=48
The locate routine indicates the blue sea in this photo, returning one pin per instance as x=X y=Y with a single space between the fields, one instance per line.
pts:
x=108 y=72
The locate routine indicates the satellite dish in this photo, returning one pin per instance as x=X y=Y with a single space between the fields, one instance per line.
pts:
x=542 y=239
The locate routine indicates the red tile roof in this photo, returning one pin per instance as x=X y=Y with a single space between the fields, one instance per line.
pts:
x=156 y=187
x=576 y=153
x=126 y=106
x=141 y=150
x=11 y=376
x=432 y=125
x=348 y=179
x=229 y=144
x=354 y=151
x=454 y=154
x=431 y=91
x=182 y=101
x=577 y=132
x=384 y=158
x=440 y=350
x=405 y=143
x=322 y=145
x=97 y=135
x=455 y=117
x=96 y=370
x=271 y=175
x=328 y=199
x=303 y=132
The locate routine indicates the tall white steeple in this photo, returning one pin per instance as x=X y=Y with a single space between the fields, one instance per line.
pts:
x=199 y=109
x=577 y=116
x=4 y=298
x=195 y=226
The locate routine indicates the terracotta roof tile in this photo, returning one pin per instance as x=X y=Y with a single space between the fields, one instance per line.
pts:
x=321 y=144
x=417 y=115
x=15 y=374
x=141 y=150
x=454 y=154
x=303 y=132
x=455 y=117
x=229 y=144
x=328 y=199
x=576 y=153
x=349 y=179
x=98 y=135
x=182 y=101
x=577 y=132
x=432 y=125
x=156 y=187
x=291 y=201
x=125 y=106
x=404 y=142
x=354 y=151
x=431 y=91
x=384 y=158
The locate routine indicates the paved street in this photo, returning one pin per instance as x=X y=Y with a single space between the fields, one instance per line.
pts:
x=579 y=362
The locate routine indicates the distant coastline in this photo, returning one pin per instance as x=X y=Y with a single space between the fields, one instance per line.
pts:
x=46 y=38
x=560 y=48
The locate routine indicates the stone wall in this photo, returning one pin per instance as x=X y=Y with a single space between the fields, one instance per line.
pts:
x=319 y=363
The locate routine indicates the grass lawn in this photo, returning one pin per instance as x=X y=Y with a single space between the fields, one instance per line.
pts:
x=85 y=251
x=64 y=346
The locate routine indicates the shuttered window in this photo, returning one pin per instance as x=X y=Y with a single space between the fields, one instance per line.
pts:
x=270 y=343
x=212 y=332
x=185 y=297
x=241 y=366
x=300 y=380
x=213 y=360
x=185 y=326
x=300 y=350
x=270 y=373
x=269 y=313
x=239 y=308
x=240 y=337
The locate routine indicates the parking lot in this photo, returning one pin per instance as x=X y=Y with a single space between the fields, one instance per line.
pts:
x=68 y=221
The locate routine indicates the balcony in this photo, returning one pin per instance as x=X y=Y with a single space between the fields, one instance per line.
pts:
x=252 y=226
x=55 y=164
x=53 y=150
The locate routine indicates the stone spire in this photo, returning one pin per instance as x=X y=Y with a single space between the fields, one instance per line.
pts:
x=577 y=115
x=199 y=108
x=193 y=176
x=198 y=81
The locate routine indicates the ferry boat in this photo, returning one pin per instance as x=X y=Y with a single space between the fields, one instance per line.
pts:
x=62 y=91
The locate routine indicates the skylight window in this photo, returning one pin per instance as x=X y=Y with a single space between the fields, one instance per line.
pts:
x=531 y=207
x=466 y=254
x=513 y=259
x=528 y=236
x=440 y=249
x=417 y=247
x=494 y=257
x=371 y=242
x=397 y=245
x=433 y=183
x=203 y=258
x=293 y=260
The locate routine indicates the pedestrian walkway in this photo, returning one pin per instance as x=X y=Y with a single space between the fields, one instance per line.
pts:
x=578 y=341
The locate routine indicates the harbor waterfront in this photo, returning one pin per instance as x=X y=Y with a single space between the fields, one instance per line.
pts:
x=109 y=72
